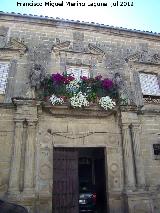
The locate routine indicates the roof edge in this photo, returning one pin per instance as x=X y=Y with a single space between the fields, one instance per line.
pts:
x=83 y=23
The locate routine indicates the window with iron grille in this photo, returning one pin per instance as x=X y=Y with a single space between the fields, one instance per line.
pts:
x=149 y=84
x=78 y=71
x=4 y=69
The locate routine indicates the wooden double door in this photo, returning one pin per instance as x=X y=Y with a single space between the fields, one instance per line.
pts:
x=65 y=180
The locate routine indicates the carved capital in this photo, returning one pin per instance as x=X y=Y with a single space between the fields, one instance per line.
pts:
x=32 y=123
x=135 y=126
x=125 y=126
x=19 y=123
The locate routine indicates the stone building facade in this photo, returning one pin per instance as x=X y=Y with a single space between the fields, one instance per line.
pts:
x=31 y=47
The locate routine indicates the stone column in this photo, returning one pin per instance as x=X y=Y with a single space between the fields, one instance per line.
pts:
x=29 y=170
x=16 y=158
x=128 y=158
x=140 y=177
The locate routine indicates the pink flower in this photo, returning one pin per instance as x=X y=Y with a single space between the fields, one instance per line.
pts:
x=98 y=77
x=84 y=78
x=107 y=84
x=58 y=78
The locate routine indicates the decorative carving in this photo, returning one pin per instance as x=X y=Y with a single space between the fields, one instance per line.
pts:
x=144 y=57
x=126 y=98
x=155 y=58
x=95 y=50
x=7 y=53
x=3 y=31
x=60 y=45
x=134 y=57
x=2 y=41
x=114 y=167
x=45 y=171
x=3 y=34
x=37 y=74
x=17 y=44
x=13 y=48
x=78 y=46
x=78 y=36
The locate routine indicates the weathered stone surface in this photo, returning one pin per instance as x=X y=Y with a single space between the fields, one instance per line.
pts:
x=28 y=132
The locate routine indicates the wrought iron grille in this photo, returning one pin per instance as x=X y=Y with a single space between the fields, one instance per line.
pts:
x=149 y=84
x=4 y=69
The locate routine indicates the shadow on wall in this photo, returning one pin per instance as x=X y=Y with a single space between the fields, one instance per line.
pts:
x=6 y=207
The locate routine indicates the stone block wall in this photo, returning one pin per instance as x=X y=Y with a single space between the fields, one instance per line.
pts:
x=133 y=173
x=150 y=126
x=43 y=37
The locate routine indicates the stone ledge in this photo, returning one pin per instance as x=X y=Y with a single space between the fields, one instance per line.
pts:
x=64 y=110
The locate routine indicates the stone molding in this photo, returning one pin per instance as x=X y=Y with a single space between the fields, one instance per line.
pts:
x=92 y=111
x=16 y=44
x=65 y=46
x=144 y=57
x=58 y=46
x=17 y=101
x=12 y=49
x=95 y=49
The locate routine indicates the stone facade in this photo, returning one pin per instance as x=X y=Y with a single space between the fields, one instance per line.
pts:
x=35 y=46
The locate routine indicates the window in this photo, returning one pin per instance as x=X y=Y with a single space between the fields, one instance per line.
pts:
x=156 y=151
x=149 y=84
x=78 y=71
x=4 y=68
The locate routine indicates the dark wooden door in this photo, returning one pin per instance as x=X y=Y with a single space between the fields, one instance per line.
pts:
x=65 y=180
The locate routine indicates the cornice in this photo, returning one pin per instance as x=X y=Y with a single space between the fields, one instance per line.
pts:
x=105 y=29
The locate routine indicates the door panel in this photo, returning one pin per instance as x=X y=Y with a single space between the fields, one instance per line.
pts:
x=65 y=180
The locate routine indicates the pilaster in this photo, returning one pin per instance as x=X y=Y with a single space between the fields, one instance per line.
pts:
x=22 y=183
x=135 y=134
x=129 y=169
x=29 y=170
x=16 y=158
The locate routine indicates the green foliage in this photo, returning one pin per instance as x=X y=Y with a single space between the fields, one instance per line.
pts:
x=63 y=85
